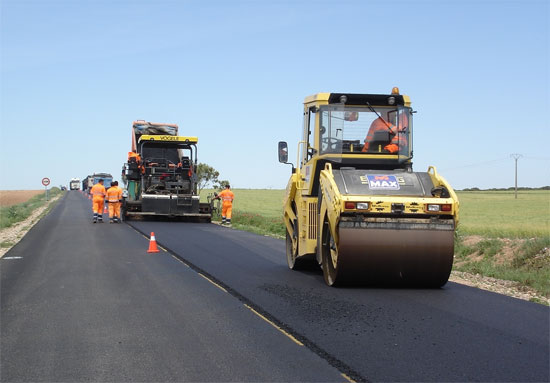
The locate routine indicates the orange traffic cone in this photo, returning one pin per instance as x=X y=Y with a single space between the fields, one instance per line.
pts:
x=105 y=211
x=153 y=244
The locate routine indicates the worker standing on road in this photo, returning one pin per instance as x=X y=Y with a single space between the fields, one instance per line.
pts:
x=114 y=199
x=227 y=198
x=98 y=199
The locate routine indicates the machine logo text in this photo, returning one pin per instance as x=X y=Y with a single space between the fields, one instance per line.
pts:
x=382 y=182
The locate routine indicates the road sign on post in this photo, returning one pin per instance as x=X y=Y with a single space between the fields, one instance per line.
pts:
x=46 y=182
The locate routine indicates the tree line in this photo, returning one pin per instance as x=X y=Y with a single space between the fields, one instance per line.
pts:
x=506 y=189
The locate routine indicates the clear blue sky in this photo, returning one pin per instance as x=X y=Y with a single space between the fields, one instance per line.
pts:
x=75 y=74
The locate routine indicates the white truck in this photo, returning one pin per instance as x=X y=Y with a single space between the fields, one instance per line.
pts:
x=74 y=184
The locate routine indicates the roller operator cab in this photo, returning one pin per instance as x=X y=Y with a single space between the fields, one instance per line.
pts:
x=353 y=203
x=160 y=174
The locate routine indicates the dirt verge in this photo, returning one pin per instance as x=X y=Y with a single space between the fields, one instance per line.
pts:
x=13 y=197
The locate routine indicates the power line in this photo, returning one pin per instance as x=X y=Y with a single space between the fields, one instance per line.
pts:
x=502 y=159
x=477 y=164
x=537 y=158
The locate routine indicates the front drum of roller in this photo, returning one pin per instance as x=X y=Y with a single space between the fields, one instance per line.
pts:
x=397 y=257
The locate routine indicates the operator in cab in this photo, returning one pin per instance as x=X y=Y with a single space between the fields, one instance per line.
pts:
x=98 y=200
x=397 y=141
x=133 y=157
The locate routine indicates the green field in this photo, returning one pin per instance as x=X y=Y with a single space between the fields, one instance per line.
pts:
x=499 y=214
x=486 y=213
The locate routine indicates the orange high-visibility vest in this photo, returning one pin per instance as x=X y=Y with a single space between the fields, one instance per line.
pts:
x=98 y=190
x=227 y=197
x=114 y=194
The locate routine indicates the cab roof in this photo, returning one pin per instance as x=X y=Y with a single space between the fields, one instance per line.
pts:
x=358 y=99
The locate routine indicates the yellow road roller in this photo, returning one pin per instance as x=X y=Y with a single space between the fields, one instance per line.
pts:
x=354 y=204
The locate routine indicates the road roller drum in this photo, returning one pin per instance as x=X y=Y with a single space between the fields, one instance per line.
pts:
x=392 y=256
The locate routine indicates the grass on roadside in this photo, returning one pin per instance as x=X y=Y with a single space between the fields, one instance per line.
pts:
x=6 y=244
x=258 y=224
x=10 y=215
x=528 y=263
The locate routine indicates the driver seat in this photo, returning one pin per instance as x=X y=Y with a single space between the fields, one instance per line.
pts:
x=380 y=139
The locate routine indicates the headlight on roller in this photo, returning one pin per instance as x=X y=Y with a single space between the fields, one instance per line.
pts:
x=436 y=207
x=356 y=205
x=433 y=207
x=362 y=205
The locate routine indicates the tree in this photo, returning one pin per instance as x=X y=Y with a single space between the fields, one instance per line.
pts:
x=206 y=175
x=221 y=184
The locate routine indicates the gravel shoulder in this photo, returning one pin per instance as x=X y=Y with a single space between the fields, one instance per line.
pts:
x=510 y=288
x=16 y=232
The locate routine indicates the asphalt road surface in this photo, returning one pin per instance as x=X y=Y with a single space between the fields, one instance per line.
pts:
x=85 y=302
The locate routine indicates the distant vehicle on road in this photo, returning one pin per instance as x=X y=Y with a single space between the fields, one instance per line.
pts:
x=106 y=177
x=93 y=179
x=74 y=184
x=87 y=183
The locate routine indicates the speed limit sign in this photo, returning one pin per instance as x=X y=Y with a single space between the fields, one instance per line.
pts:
x=45 y=181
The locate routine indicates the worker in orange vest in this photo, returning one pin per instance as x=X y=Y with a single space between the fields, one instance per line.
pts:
x=114 y=199
x=134 y=157
x=98 y=198
x=397 y=141
x=227 y=198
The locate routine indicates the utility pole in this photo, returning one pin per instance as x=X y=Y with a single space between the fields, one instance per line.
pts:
x=516 y=157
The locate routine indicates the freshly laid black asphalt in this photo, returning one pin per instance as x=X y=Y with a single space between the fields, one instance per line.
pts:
x=87 y=303
x=456 y=333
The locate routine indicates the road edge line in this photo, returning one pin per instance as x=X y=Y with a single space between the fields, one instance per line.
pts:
x=346 y=371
